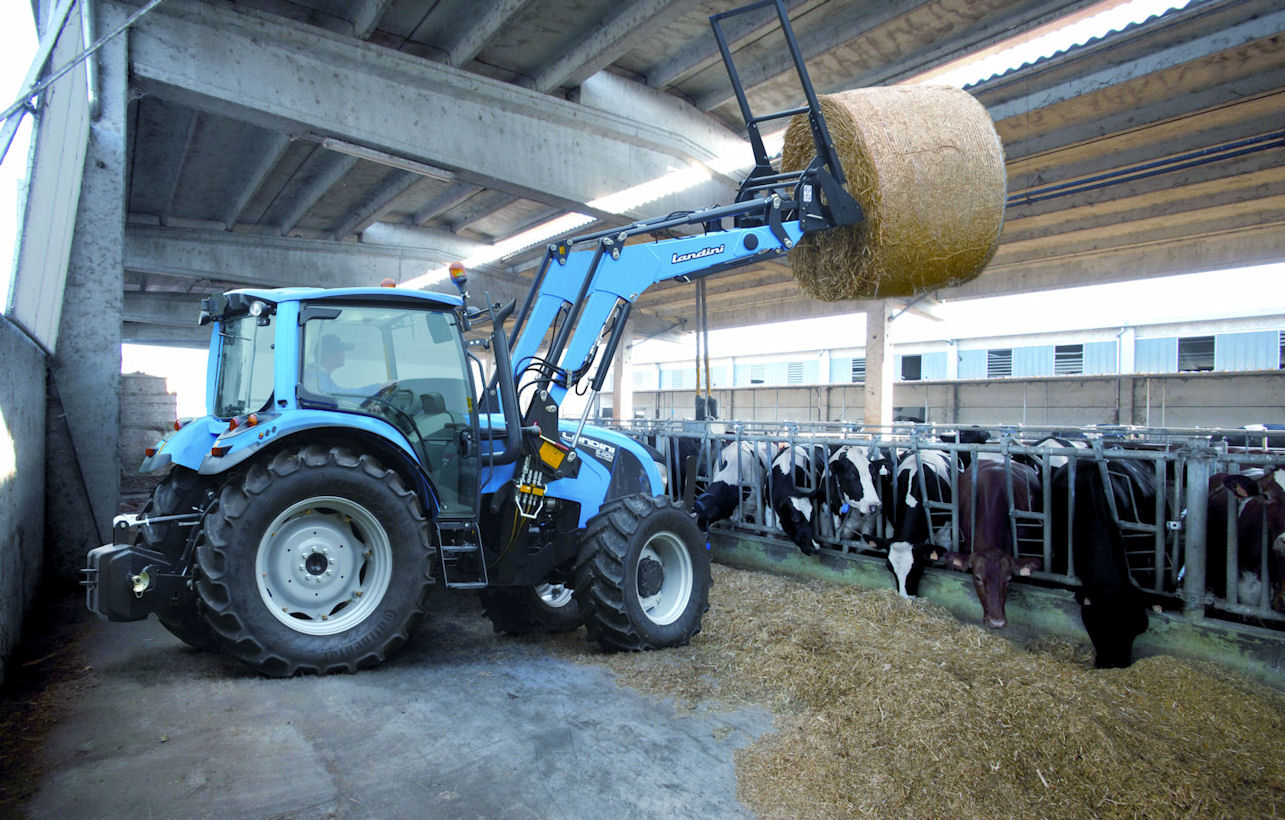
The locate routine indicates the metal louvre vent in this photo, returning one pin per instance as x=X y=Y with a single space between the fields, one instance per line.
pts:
x=859 y=366
x=999 y=363
x=1068 y=360
x=794 y=373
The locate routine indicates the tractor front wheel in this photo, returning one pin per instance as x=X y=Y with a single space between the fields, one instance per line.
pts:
x=319 y=561
x=182 y=491
x=642 y=575
x=539 y=608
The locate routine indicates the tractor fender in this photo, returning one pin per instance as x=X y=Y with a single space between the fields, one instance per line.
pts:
x=185 y=447
x=365 y=434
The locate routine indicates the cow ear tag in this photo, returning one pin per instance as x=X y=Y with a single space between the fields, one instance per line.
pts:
x=844 y=509
x=707 y=546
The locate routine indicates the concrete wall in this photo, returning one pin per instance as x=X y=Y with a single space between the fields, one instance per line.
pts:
x=1166 y=400
x=22 y=482
x=84 y=470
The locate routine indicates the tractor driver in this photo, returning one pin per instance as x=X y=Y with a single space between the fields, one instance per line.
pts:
x=331 y=358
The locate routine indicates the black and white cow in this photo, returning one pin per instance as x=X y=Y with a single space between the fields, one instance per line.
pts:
x=922 y=476
x=794 y=484
x=738 y=477
x=854 y=475
x=1055 y=460
x=1112 y=607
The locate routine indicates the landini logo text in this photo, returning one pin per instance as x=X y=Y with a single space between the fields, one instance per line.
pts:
x=703 y=252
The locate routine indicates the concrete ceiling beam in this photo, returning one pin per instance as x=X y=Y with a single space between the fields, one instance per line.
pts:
x=256 y=261
x=364 y=15
x=380 y=201
x=702 y=52
x=921 y=47
x=165 y=335
x=334 y=168
x=162 y=309
x=294 y=79
x=615 y=37
x=1160 y=61
x=273 y=150
x=475 y=38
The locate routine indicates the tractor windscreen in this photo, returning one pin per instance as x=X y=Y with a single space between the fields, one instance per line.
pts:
x=245 y=366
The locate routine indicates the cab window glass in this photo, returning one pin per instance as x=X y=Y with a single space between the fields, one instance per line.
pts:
x=245 y=366
x=407 y=367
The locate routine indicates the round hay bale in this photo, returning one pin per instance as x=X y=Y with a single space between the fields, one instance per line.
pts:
x=927 y=168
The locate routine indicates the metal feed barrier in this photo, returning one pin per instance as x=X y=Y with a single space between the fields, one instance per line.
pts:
x=1165 y=545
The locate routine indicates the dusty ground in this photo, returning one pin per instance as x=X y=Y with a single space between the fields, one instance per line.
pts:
x=797 y=700
x=122 y=720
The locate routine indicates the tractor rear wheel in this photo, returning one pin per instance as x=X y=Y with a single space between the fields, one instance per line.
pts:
x=643 y=574
x=318 y=561
x=539 y=608
x=182 y=491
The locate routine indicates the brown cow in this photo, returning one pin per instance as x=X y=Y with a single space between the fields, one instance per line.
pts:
x=985 y=529
x=1261 y=522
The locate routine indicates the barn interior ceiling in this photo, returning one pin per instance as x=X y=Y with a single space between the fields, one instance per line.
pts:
x=319 y=142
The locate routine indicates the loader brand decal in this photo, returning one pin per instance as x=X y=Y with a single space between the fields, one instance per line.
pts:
x=700 y=254
x=600 y=450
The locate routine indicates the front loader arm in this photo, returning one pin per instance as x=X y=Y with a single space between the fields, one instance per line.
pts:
x=581 y=291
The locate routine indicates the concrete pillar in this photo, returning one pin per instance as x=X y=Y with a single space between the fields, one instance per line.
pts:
x=86 y=370
x=1125 y=346
x=622 y=382
x=1124 y=400
x=879 y=365
x=952 y=360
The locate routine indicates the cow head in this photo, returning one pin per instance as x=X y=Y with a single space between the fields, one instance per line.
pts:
x=992 y=569
x=716 y=503
x=796 y=515
x=907 y=562
x=854 y=474
x=1113 y=620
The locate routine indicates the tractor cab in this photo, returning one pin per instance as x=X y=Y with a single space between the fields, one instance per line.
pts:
x=395 y=358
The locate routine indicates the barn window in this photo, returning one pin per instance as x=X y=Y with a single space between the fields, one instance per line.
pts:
x=859 y=365
x=794 y=373
x=1068 y=360
x=1195 y=353
x=1282 y=349
x=912 y=368
x=999 y=363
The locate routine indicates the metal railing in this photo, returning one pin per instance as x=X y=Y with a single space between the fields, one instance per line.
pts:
x=1165 y=541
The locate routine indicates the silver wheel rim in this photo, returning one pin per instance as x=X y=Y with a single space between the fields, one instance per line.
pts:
x=323 y=565
x=669 y=603
x=554 y=596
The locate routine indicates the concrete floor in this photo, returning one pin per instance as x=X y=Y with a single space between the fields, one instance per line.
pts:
x=461 y=723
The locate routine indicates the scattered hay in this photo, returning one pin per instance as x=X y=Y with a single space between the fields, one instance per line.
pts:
x=927 y=168
x=894 y=708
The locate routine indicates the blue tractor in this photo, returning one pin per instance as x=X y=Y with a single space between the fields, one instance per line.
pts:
x=356 y=454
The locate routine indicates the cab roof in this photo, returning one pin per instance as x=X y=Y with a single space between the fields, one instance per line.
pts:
x=278 y=295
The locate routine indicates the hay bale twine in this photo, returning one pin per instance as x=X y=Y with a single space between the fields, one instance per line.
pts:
x=927 y=168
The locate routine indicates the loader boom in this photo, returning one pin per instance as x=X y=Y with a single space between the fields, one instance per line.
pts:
x=585 y=286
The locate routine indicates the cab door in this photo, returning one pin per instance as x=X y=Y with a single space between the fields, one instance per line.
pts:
x=405 y=365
